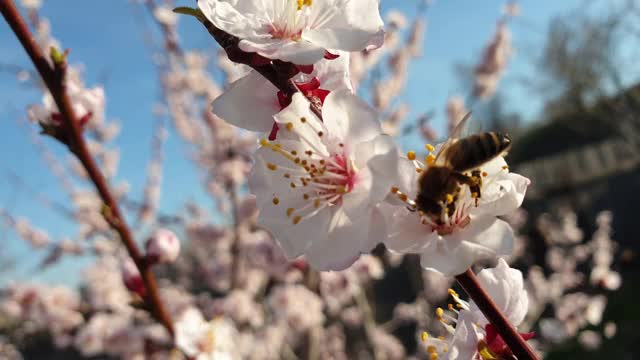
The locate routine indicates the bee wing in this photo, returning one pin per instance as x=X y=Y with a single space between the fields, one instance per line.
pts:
x=453 y=137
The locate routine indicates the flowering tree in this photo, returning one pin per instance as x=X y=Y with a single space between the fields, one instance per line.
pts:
x=320 y=203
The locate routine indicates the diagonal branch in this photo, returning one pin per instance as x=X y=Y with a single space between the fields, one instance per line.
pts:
x=54 y=80
x=509 y=334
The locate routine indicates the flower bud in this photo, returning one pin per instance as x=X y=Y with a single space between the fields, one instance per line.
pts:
x=132 y=278
x=162 y=247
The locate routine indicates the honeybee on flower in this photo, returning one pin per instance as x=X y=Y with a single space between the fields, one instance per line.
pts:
x=451 y=201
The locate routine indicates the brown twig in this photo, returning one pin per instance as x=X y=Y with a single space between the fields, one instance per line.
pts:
x=236 y=260
x=54 y=80
x=509 y=334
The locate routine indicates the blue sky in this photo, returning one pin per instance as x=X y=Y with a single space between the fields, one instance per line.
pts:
x=106 y=37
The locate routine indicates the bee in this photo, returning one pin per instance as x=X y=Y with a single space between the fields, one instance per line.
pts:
x=457 y=164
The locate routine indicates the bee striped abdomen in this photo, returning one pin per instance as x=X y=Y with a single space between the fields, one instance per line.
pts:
x=473 y=151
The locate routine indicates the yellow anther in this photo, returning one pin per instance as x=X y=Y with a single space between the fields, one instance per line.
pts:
x=300 y=3
x=452 y=292
x=394 y=189
x=484 y=174
x=289 y=126
x=403 y=197
x=424 y=336
x=296 y=219
x=272 y=166
x=411 y=155
x=433 y=356
x=450 y=306
x=264 y=142
x=303 y=119
x=275 y=201
x=439 y=312
x=505 y=167
x=449 y=198
x=290 y=211
x=431 y=349
x=308 y=2
x=418 y=170
x=429 y=147
x=430 y=159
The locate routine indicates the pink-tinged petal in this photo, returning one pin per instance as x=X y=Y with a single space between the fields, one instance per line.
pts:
x=249 y=103
x=349 y=118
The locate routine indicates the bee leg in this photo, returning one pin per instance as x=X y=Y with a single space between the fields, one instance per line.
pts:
x=476 y=176
x=474 y=182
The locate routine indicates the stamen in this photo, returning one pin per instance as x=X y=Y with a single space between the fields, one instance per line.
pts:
x=429 y=147
x=411 y=155
x=275 y=201
x=430 y=159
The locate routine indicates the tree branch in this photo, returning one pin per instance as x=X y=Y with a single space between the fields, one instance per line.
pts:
x=54 y=80
x=509 y=334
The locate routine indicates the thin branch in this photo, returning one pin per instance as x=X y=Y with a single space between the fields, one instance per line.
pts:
x=54 y=80
x=236 y=261
x=509 y=334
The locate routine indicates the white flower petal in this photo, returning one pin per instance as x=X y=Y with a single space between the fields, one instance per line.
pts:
x=406 y=233
x=348 y=117
x=348 y=238
x=297 y=52
x=296 y=239
x=249 y=103
x=506 y=287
